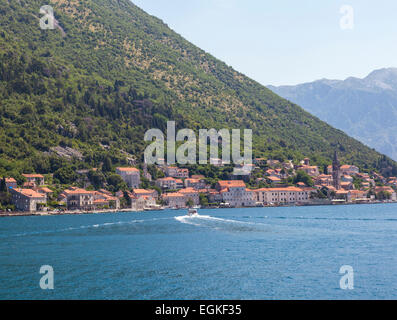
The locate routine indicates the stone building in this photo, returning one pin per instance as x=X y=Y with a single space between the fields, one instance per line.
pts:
x=27 y=199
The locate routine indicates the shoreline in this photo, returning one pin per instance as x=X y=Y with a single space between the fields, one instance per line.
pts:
x=115 y=211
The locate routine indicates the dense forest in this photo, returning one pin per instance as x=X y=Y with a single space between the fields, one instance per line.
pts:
x=109 y=71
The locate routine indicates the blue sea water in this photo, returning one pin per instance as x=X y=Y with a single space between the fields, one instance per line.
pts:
x=257 y=253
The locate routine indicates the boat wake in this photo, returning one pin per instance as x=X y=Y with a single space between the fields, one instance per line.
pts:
x=222 y=224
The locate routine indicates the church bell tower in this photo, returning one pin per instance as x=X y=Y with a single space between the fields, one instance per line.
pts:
x=336 y=176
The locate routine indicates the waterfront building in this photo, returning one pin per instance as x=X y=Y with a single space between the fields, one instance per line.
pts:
x=390 y=190
x=174 y=200
x=102 y=199
x=288 y=195
x=137 y=203
x=191 y=194
x=27 y=199
x=78 y=199
x=235 y=193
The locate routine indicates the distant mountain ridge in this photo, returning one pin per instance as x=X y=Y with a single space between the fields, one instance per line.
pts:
x=364 y=108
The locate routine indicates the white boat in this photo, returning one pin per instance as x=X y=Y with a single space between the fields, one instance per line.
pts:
x=192 y=212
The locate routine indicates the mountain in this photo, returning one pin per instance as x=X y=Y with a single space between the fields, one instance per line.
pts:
x=109 y=71
x=364 y=108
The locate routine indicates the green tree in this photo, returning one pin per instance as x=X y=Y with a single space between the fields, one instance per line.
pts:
x=65 y=175
x=3 y=186
x=116 y=183
x=383 y=195
x=203 y=199
x=96 y=178
x=107 y=165
x=302 y=176
x=189 y=203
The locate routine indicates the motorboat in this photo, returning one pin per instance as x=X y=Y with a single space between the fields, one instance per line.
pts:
x=192 y=212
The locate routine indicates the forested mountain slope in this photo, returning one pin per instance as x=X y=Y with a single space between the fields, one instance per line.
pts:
x=110 y=71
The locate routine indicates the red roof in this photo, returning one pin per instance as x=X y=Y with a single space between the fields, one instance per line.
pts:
x=287 y=189
x=128 y=169
x=172 y=195
x=77 y=191
x=46 y=190
x=274 y=178
x=188 y=190
x=30 y=193
x=167 y=179
x=28 y=175
x=98 y=201
x=231 y=183
x=142 y=191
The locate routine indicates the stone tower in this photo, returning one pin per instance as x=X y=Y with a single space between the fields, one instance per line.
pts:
x=336 y=176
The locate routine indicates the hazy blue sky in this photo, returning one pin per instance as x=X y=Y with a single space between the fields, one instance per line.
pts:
x=286 y=41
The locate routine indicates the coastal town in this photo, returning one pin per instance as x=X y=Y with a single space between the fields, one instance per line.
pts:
x=270 y=183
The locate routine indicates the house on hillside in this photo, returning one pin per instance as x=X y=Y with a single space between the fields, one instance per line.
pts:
x=34 y=179
x=131 y=176
x=11 y=183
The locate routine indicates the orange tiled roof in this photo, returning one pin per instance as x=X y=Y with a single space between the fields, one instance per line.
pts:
x=33 y=175
x=97 y=201
x=167 y=179
x=128 y=169
x=274 y=178
x=46 y=190
x=30 y=193
x=346 y=166
x=142 y=191
x=202 y=190
x=287 y=189
x=10 y=180
x=345 y=183
x=172 y=195
x=29 y=184
x=387 y=189
x=188 y=190
x=231 y=183
x=77 y=191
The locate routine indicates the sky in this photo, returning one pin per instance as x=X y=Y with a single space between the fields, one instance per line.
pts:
x=286 y=42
